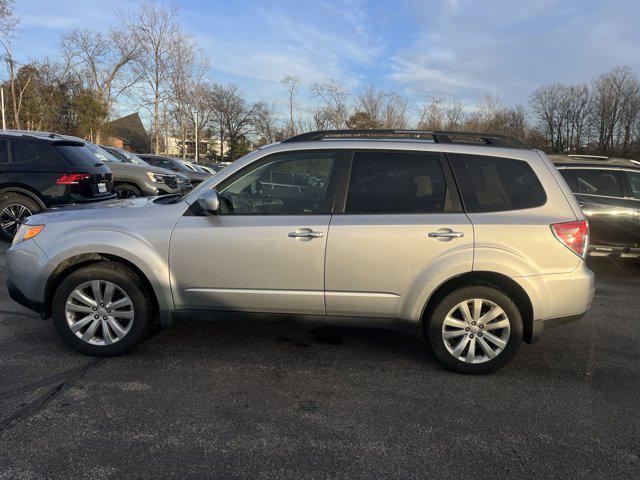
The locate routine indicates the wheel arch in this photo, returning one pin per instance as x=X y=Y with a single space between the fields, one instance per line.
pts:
x=23 y=190
x=502 y=282
x=70 y=265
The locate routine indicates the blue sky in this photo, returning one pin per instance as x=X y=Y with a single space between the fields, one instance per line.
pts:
x=454 y=48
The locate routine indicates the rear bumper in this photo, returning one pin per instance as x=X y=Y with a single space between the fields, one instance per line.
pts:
x=558 y=299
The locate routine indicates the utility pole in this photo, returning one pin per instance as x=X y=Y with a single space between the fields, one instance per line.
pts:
x=4 y=121
x=196 y=136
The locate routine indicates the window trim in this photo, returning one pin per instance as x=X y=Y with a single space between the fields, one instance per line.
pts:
x=343 y=188
x=329 y=199
x=7 y=154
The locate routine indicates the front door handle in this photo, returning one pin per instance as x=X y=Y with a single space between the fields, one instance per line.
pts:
x=445 y=234
x=306 y=233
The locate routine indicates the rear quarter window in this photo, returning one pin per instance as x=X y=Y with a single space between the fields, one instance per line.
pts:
x=22 y=152
x=495 y=184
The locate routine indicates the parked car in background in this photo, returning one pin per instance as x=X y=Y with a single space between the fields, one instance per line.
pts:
x=175 y=165
x=608 y=190
x=135 y=178
x=40 y=170
x=473 y=238
x=211 y=170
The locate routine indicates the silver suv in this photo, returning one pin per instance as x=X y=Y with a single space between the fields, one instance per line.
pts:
x=475 y=239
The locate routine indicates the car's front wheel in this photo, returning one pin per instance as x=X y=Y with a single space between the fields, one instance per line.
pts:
x=102 y=309
x=476 y=329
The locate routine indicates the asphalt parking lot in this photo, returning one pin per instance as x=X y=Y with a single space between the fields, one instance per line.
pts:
x=254 y=400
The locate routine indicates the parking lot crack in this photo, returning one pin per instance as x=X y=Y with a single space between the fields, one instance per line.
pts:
x=32 y=408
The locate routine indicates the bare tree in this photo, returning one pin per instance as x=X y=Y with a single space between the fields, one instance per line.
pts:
x=432 y=116
x=8 y=26
x=103 y=60
x=454 y=114
x=334 y=110
x=265 y=123
x=234 y=117
x=396 y=111
x=612 y=92
x=292 y=83
x=156 y=31
x=191 y=93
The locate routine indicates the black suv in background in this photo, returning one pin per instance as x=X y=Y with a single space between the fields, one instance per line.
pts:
x=41 y=170
x=175 y=165
x=608 y=190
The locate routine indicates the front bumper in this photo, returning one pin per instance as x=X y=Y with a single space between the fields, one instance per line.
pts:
x=18 y=297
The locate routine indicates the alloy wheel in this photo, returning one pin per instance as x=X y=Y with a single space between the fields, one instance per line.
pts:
x=12 y=217
x=476 y=331
x=99 y=312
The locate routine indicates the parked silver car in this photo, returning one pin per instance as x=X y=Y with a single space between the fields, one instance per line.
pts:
x=475 y=239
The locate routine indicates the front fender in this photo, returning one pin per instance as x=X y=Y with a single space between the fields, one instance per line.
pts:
x=150 y=257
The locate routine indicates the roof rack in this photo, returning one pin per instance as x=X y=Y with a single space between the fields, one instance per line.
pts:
x=588 y=157
x=434 y=136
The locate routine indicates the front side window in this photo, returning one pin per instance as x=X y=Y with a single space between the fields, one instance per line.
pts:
x=634 y=183
x=599 y=182
x=291 y=184
x=494 y=184
x=396 y=182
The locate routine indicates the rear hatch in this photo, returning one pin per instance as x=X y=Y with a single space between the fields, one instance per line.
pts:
x=88 y=178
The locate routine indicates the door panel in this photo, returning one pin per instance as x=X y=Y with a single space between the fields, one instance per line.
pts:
x=248 y=263
x=380 y=250
x=265 y=250
x=374 y=260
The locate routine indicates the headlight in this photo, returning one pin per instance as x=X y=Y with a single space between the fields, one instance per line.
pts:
x=25 y=232
x=154 y=177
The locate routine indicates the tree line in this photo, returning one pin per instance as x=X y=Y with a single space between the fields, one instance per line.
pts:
x=149 y=64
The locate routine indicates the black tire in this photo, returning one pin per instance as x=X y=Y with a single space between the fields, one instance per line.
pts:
x=126 y=279
x=9 y=200
x=434 y=329
x=126 y=190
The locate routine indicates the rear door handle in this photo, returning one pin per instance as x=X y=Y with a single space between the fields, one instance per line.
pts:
x=446 y=234
x=305 y=233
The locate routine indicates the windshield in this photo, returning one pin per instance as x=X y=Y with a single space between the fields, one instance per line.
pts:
x=131 y=158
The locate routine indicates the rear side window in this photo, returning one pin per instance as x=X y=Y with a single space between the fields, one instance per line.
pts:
x=599 y=182
x=22 y=152
x=77 y=154
x=4 y=152
x=396 y=182
x=494 y=184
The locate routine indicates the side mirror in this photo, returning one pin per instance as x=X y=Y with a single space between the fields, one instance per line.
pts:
x=209 y=202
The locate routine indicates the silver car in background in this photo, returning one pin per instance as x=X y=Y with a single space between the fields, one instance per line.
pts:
x=475 y=239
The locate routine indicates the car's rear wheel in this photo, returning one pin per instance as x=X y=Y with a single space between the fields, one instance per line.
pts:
x=476 y=329
x=102 y=309
x=124 y=190
x=14 y=210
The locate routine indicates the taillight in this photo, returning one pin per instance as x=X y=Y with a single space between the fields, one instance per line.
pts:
x=72 y=178
x=574 y=235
